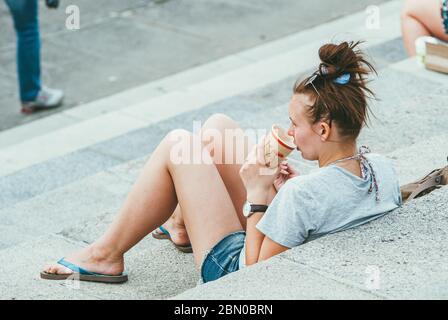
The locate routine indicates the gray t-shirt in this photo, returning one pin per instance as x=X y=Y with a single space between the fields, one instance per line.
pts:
x=328 y=200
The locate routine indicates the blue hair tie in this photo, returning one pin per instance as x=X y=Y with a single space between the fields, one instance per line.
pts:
x=344 y=79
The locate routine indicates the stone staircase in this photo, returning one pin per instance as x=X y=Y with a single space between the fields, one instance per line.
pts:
x=64 y=178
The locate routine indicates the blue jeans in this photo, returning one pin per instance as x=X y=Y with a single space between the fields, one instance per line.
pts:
x=26 y=24
x=223 y=258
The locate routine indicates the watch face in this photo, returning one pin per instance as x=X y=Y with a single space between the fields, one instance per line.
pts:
x=246 y=209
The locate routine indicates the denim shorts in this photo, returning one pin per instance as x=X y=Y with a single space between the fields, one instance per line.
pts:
x=223 y=258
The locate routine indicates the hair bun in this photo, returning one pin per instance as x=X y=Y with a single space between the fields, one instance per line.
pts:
x=339 y=59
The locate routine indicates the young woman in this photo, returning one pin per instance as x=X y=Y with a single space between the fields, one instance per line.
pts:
x=327 y=111
x=423 y=18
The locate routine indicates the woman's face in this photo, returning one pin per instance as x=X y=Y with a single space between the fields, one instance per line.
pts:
x=306 y=136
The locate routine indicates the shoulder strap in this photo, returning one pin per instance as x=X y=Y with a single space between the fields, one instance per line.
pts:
x=432 y=182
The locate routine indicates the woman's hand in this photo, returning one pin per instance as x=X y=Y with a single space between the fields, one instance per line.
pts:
x=286 y=172
x=256 y=175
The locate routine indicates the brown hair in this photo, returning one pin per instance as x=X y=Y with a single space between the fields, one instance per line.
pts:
x=345 y=104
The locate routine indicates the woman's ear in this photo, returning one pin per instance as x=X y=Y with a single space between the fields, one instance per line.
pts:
x=324 y=131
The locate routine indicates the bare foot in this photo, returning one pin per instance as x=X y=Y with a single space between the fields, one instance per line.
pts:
x=177 y=231
x=92 y=259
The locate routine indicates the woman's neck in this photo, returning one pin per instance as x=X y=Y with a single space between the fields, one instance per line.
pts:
x=331 y=155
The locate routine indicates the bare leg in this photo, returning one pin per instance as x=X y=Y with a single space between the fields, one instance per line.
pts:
x=421 y=18
x=228 y=170
x=207 y=209
x=106 y=254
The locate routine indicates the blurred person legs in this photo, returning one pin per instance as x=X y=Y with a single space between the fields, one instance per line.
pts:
x=32 y=94
x=422 y=18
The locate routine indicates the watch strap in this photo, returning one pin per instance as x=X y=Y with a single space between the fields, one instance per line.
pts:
x=258 y=208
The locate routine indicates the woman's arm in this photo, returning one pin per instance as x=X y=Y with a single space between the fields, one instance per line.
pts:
x=258 y=246
x=254 y=238
x=258 y=180
x=270 y=248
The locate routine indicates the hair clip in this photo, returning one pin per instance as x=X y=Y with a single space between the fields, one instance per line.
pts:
x=311 y=79
x=344 y=79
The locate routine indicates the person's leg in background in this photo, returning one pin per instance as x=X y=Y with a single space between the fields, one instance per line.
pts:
x=25 y=16
x=26 y=24
x=421 y=18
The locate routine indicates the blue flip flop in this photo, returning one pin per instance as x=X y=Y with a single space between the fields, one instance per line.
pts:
x=161 y=236
x=83 y=275
x=166 y=235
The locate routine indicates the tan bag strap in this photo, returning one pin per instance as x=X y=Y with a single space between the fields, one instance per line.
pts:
x=431 y=182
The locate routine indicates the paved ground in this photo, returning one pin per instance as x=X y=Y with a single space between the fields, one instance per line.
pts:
x=122 y=44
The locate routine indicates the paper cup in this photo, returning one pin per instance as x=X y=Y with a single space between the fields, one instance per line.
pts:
x=278 y=146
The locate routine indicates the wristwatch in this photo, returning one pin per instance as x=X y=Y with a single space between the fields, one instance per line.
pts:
x=249 y=208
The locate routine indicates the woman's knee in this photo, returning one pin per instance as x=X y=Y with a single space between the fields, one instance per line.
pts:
x=184 y=147
x=178 y=138
x=223 y=137
x=427 y=14
x=410 y=8
x=421 y=10
x=220 y=121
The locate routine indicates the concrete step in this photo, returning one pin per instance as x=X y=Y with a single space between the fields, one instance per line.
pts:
x=84 y=200
x=399 y=256
x=411 y=109
x=417 y=160
x=156 y=270
x=411 y=66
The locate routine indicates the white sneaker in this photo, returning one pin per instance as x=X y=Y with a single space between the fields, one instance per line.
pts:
x=46 y=99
